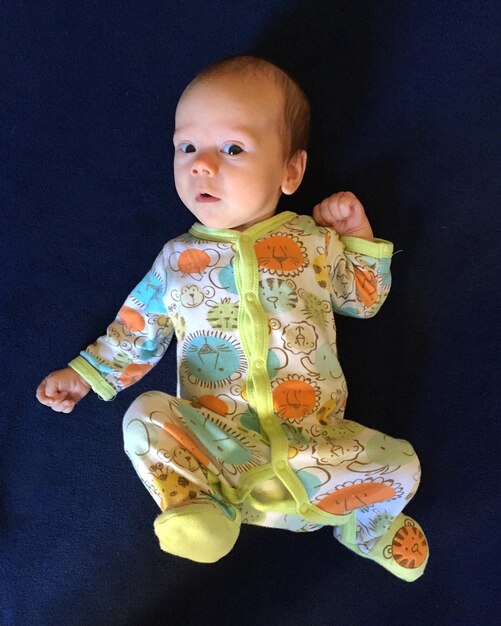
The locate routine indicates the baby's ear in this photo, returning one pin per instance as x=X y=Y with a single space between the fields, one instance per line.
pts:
x=294 y=172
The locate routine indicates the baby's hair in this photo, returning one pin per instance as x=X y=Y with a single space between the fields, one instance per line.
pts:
x=295 y=130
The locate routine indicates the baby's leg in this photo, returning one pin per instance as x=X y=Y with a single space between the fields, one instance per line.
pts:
x=356 y=469
x=174 y=467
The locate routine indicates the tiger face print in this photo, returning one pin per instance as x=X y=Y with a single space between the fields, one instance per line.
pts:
x=409 y=547
x=278 y=295
x=224 y=316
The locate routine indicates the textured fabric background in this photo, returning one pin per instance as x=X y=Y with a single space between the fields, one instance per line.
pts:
x=405 y=116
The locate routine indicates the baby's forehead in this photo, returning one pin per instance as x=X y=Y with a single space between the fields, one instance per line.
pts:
x=252 y=82
x=235 y=99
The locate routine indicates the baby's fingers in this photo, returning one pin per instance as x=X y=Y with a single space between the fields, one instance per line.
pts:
x=62 y=405
x=348 y=203
x=50 y=396
x=41 y=394
x=66 y=406
x=343 y=211
x=321 y=213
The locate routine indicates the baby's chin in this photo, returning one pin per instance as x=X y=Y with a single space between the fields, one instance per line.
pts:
x=218 y=222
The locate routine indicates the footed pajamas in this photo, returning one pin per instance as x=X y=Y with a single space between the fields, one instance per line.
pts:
x=256 y=432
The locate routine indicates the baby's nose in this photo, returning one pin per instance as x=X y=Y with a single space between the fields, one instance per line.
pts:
x=204 y=165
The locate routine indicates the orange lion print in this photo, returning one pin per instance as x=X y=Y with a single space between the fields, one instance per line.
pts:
x=295 y=398
x=281 y=254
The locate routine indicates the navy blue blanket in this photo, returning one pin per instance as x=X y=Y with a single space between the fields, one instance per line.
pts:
x=404 y=101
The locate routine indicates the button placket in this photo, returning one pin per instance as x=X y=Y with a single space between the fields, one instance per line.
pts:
x=250 y=303
x=257 y=354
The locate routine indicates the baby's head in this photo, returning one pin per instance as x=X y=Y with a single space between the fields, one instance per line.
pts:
x=241 y=135
x=294 y=122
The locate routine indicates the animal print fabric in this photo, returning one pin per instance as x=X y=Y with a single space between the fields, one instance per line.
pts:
x=177 y=449
x=258 y=417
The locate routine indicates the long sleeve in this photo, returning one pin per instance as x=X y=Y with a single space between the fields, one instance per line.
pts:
x=359 y=272
x=134 y=342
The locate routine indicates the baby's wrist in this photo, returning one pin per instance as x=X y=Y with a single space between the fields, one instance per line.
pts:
x=83 y=381
x=80 y=378
x=362 y=232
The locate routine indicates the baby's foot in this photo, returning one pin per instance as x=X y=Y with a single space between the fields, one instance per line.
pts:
x=199 y=531
x=403 y=549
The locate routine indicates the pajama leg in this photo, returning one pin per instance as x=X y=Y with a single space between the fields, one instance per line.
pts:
x=174 y=466
x=349 y=468
x=167 y=469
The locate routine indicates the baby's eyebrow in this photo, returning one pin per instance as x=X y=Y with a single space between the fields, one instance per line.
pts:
x=241 y=133
x=177 y=132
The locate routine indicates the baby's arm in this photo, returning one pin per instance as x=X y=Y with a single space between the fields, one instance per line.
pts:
x=134 y=342
x=62 y=390
x=359 y=265
x=345 y=213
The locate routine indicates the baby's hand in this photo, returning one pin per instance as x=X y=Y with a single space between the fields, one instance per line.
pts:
x=62 y=390
x=345 y=213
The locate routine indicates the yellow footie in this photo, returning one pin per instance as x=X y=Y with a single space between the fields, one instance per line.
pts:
x=403 y=549
x=200 y=532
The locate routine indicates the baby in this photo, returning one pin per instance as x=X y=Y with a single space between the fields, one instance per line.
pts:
x=256 y=432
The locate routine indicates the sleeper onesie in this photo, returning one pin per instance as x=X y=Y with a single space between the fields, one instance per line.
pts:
x=256 y=430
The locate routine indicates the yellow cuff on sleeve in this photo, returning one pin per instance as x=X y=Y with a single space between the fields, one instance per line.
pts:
x=91 y=376
x=377 y=249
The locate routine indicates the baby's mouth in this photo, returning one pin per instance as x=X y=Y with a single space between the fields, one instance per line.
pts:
x=206 y=197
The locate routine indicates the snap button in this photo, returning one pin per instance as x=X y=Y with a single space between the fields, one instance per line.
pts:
x=250 y=297
x=244 y=239
x=281 y=465
x=259 y=364
x=303 y=509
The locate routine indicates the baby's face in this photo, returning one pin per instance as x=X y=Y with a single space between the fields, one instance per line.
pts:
x=229 y=168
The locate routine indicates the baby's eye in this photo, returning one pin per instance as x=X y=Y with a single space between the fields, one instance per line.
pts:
x=187 y=147
x=232 y=148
